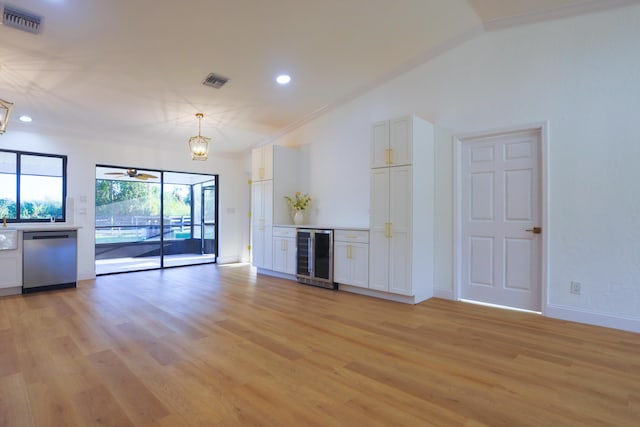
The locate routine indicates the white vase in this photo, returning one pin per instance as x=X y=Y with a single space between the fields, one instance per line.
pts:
x=298 y=217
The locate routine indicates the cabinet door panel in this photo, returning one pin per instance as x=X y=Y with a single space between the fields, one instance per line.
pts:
x=267 y=192
x=400 y=198
x=360 y=265
x=261 y=218
x=400 y=263
x=290 y=246
x=379 y=217
x=379 y=144
x=257 y=162
x=279 y=254
x=262 y=163
x=267 y=162
x=284 y=254
x=257 y=202
x=378 y=260
x=9 y=268
x=341 y=263
x=379 y=205
x=400 y=137
x=400 y=229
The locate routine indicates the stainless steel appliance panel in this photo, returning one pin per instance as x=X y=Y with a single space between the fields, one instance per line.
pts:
x=49 y=260
x=315 y=257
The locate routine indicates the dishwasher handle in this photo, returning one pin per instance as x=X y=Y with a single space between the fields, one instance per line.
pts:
x=49 y=235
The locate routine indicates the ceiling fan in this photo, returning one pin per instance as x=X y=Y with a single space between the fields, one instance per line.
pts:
x=132 y=173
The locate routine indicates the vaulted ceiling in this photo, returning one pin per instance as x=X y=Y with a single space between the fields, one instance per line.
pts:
x=131 y=71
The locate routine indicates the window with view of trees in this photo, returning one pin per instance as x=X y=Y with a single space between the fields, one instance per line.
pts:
x=32 y=186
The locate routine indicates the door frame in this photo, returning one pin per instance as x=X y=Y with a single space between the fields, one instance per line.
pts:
x=458 y=140
x=203 y=222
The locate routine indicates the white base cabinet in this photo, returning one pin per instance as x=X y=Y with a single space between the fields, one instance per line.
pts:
x=351 y=257
x=11 y=270
x=284 y=250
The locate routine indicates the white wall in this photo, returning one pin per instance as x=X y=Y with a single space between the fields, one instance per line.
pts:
x=83 y=155
x=582 y=75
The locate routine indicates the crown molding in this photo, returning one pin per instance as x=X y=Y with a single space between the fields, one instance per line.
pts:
x=568 y=11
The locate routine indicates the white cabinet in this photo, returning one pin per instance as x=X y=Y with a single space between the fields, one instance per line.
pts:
x=276 y=170
x=402 y=213
x=262 y=163
x=391 y=142
x=351 y=257
x=261 y=221
x=11 y=270
x=284 y=250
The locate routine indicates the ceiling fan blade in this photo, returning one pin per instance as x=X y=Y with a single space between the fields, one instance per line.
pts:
x=115 y=173
x=145 y=176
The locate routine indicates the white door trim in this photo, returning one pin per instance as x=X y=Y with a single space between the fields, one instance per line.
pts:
x=458 y=139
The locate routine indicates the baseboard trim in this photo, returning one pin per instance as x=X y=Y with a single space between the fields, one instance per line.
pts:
x=598 y=319
x=14 y=290
x=377 y=294
x=444 y=294
x=276 y=274
x=227 y=260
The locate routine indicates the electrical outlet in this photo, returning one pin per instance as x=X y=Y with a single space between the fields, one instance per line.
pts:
x=575 y=288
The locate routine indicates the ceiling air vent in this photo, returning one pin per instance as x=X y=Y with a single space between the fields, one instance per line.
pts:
x=21 y=20
x=215 y=81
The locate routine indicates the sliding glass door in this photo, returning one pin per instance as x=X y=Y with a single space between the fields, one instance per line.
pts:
x=128 y=222
x=189 y=229
x=148 y=219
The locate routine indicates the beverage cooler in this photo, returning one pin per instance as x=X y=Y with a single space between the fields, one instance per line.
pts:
x=315 y=257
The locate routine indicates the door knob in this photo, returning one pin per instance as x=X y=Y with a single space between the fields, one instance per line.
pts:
x=535 y=230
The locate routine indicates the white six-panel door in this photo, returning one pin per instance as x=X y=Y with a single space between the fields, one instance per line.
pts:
x=500 y=250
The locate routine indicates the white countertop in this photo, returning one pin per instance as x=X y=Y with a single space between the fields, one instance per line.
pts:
x=42 y=226
x=322 y=227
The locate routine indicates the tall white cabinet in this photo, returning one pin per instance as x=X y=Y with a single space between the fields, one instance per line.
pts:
x=262 y=222
x=401 y=237
x=274 y=175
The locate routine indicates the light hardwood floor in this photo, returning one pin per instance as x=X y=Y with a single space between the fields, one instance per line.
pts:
x=219 y=346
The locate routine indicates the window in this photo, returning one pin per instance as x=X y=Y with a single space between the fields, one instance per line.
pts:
x=32 y=186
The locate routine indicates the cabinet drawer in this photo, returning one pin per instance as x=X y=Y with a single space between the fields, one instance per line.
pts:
x=284 y=232
x=352 y=236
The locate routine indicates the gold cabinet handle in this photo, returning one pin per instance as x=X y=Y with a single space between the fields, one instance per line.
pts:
x=348 y=251
x=390 y=156
x=535 y=230
x=388 y=230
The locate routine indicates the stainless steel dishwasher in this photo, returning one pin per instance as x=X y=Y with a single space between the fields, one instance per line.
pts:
x=49 y=260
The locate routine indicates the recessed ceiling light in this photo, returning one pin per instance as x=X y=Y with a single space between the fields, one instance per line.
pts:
x=25 y=119
x=283 y=79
